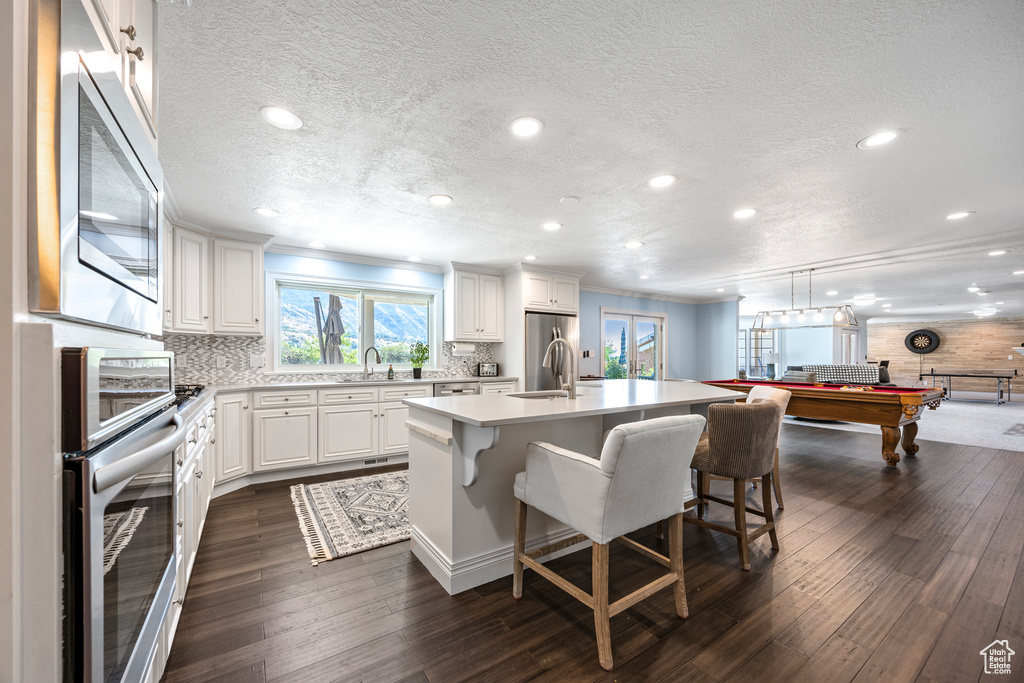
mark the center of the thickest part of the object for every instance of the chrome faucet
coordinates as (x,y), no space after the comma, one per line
(569,386)
(367,370)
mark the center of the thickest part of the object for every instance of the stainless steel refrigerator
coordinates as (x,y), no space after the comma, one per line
(541,328)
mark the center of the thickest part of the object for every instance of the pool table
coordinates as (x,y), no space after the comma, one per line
(891,408)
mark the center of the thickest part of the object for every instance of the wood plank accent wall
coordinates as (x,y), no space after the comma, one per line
(962,344)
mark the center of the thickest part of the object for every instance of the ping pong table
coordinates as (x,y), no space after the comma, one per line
(1002,378)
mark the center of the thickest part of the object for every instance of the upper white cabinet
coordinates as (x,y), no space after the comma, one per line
(473,306)
(139,37)
(233,303)
(190,298)
(237,287)
(543,292)
(128,29)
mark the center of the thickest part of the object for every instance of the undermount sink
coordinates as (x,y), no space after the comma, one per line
(550,395)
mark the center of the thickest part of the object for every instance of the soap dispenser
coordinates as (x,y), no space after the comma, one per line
(391,372)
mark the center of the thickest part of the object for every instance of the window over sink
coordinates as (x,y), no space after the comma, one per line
(325,324)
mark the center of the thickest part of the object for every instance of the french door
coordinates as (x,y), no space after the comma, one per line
(633,345)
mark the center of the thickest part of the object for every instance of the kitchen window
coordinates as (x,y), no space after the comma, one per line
(321,323)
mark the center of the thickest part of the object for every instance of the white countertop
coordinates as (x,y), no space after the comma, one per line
(330,384)
(619,395)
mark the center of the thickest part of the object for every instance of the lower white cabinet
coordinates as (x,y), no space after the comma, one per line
(348,432)
(497,387)
(394,435)
(284,438)
(234,424)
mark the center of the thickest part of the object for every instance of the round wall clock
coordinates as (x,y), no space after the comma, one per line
(922,341)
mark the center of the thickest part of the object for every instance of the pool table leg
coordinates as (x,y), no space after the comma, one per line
(890,438)
(909,434)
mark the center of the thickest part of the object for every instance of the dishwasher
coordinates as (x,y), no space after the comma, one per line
(457,389)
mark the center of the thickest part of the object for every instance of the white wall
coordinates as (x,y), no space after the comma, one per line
(800,347)
(717,328)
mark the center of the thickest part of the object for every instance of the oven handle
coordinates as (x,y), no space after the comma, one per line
(128,467)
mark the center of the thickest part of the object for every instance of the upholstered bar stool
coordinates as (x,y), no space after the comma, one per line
(780,396)
(740,445)
(636,482)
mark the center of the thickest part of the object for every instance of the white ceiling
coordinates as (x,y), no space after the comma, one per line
(750,104)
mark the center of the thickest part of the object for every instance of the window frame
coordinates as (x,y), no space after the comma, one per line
(275,280)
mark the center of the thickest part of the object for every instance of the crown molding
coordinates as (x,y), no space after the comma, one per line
(342,257)
(225,233)
(471,268)
(543,270)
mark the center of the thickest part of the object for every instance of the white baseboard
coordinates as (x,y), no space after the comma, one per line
(476,571)
(220,489)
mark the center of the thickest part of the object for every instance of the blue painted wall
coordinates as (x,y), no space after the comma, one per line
(317,267)
(717,328)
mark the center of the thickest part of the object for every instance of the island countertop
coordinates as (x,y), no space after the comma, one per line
(619,395)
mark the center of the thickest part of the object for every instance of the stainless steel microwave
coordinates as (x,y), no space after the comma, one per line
(95,183)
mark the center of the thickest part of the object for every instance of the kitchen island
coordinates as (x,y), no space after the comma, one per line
(464,453)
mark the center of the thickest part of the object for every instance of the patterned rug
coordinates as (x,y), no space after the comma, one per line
(118,529)
(345,517)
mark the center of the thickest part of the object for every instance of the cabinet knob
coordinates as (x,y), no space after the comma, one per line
(257,319)
(286,398)
(178,602)
(167,310)
(181,523)
(245,407)
(199,474)
(213,441)
(180,461)
(130,32)
(206,317)
(137,52)
(286,412)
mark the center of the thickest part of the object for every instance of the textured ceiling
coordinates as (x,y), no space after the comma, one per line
(750,104)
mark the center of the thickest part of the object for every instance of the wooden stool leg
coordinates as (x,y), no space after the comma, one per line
(659,531)
(675,554)
(703,484)
(775,481)
(769,516)
(519,547)
(602,623)
(739,504)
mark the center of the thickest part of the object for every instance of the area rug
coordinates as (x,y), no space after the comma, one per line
(348,516)
(960,422)
(118,529)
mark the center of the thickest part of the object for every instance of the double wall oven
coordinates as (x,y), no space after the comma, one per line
(119,434)
(95,183)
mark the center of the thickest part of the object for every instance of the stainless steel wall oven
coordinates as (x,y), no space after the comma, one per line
(95,183)
(119,432)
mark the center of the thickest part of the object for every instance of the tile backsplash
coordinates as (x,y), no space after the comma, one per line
(200,354)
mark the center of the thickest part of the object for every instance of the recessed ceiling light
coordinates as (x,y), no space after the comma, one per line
(719,290)
(744,213)
(886,305)
(269,213)
(997,252)
(831,292)
(552,226)
(985,312)
(1000,303)
(660,181)
(317,245)
(1018,272)
(972,290)
(634,245)
(415,258)
(570,200)
(282,118)
(958,215)
(865,300)
(645,277)
(525,127)
(530,257)
(440,199)
(878,139)
(983,293)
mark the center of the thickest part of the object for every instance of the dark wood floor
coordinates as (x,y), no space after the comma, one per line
(884,574)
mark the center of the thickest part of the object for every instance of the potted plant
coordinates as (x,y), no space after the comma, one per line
(418,354)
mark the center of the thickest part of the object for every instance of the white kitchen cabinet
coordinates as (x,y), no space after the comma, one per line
(138,34)
(284,438)
(234,424)
(394,435)
(543,292)
(190,527)
(474,307)
(348,432)
(190,300)
(237,287)
(497,387)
